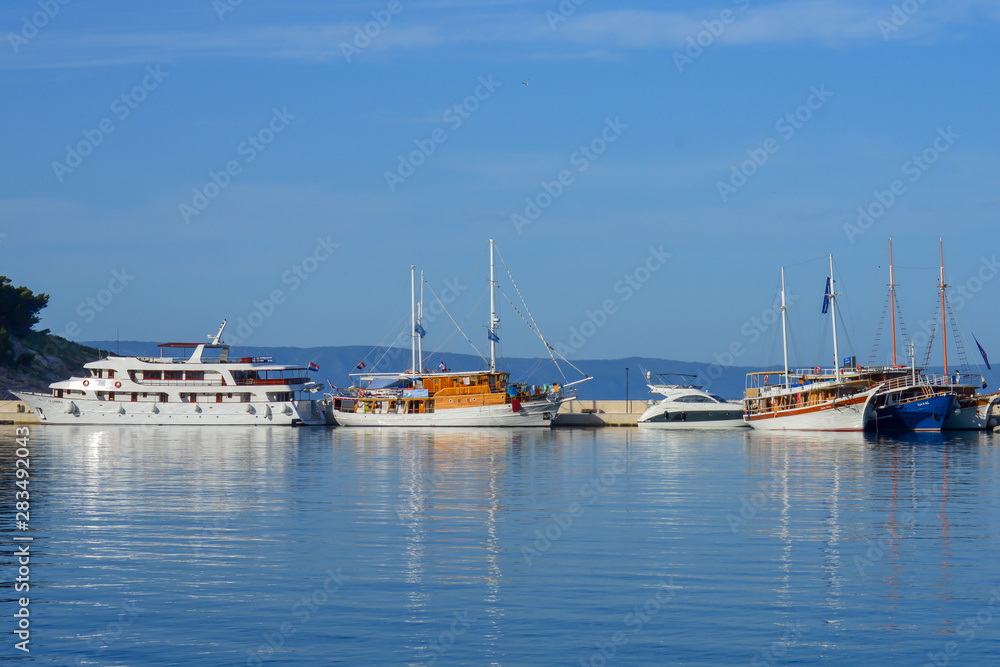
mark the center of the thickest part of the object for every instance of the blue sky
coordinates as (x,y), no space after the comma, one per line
(227,144)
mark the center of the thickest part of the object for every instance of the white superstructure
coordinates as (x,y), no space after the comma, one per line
(208,387)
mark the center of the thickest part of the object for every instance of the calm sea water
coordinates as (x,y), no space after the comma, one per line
(313,546)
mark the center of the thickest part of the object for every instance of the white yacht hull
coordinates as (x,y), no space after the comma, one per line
(537,413)
(666,417)
(51,410)
(718,423)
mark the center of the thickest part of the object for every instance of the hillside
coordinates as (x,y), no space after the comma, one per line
(51,359)
(608,374)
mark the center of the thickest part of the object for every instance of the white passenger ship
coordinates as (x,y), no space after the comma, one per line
(205,388)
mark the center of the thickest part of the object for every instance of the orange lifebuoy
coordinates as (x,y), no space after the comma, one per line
(816,370)
(86,383)
(118,385)
(765,379)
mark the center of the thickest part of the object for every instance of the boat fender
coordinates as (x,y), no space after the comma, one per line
(121,410)
(155,410)
(118,385)
(816,370)
(250,409)
(70,408)
(197,408)
(267,411)
(86,383)
(515,405)
(287,409)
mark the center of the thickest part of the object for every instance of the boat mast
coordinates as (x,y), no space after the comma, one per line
(784,325)
(892,302)
(413,320)
(493,314)
(420,322)
(944,320)
(833,318)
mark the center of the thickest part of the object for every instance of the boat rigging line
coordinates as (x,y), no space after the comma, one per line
(532,325)
(446,312)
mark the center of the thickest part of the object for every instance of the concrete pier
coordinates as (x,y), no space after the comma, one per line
(600,413)
(16,412)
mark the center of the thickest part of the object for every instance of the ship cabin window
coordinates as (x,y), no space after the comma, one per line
(163,398)
(95,372)
(111,374)
(173,375)
(218,398)
(20,407)
(194,398)
(111,395)
(152,375)
(144,394)
(694,399)
(229,396)
(135,396)
(194,375)
(58,393)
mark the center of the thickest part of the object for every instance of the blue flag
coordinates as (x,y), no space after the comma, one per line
(826,297)
(982,352)
(419,330)
(492,336)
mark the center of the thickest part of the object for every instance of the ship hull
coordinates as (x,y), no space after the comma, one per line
(536,414)
(844,415)
(971,418)
(661,417)
(927,414)
(51,410)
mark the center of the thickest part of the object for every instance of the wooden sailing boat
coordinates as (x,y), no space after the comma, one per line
(808,400)
(906,401)
(418,397)
(972,410)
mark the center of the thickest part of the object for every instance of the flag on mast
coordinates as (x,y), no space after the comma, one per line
(491,334)
(982,352)
(826,297)
(419,330)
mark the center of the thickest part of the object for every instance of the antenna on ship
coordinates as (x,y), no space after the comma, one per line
(494,321)
(420,327)
(217,338)
(892,302)
(413,320)
(833,318)
(784,325)
(944,319)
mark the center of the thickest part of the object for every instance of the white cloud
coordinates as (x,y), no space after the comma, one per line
(586,34)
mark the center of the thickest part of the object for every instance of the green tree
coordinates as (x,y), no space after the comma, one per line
(19,307)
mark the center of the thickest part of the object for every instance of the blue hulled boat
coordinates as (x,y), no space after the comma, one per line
(910,408)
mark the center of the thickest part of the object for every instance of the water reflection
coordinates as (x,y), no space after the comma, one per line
(868,542)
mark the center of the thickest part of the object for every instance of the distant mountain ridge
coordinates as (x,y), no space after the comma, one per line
(608,375)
